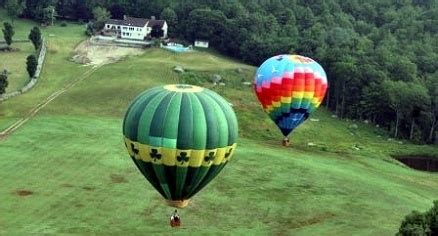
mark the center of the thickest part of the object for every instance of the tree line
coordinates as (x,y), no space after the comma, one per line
(381,56)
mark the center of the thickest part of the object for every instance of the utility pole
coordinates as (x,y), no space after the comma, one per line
(53,13)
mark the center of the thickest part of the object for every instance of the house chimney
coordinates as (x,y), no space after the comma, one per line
(152,17)
(124,17)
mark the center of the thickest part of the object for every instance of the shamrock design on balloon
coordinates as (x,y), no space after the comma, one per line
(135,150)
(155,155)
(210,157)
(182,158)
(228,153)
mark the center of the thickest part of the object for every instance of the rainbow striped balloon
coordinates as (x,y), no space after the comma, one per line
(290,87)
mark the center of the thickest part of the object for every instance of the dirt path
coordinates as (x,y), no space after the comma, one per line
(5,133)
(94,53)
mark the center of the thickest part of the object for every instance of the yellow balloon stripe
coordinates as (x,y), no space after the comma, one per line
(181,158)
(286,100)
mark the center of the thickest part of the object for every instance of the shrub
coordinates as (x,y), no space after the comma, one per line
(414,224)
(32,64)
(193,78)
(432,218)
(90,29)
(8,33)
(35,37)
(417,223)
(63,24)
(3,82)
(156,43)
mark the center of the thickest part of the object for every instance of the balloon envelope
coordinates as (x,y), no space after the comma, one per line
(289,88)
(180,137)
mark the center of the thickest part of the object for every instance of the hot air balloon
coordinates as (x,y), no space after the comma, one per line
(180,137)
(289,88)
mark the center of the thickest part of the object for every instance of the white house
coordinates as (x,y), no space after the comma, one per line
(201,43)
(134,28)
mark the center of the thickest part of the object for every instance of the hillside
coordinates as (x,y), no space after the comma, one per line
(380,54)
(67,171)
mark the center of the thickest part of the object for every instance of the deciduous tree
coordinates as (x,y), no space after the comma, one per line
(101,15)
(169,15)
(14,9)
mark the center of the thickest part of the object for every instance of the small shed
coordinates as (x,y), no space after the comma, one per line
(201,43)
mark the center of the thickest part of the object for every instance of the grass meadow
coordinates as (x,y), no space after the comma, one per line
(15,63)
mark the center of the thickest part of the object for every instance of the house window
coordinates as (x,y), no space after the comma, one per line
(108,26)
(125,28)
(118,27)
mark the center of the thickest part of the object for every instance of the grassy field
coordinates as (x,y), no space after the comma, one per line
(58,70)
(67,170)
(15,63)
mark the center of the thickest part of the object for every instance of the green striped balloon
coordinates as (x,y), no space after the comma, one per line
(180,137)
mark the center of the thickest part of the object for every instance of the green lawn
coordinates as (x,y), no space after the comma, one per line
(15,63)
(67,170)
(83,182)
(58,70)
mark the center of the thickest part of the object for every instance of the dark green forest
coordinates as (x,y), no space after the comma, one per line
(381,56)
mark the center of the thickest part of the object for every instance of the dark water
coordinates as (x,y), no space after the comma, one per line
(423,163)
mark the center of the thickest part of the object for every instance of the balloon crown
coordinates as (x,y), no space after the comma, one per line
(184,88)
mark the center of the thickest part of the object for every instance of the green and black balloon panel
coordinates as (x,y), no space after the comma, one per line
(180,137)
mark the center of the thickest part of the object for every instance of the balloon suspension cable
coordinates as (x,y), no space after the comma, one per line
(285,141)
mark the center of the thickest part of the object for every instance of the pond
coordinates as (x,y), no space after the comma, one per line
(420,162)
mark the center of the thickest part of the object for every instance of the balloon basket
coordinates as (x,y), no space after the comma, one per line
(285,142)
(178,203)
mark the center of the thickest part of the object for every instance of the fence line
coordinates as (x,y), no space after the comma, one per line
(33,80)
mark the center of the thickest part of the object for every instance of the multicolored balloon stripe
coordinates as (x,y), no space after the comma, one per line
(289,88)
